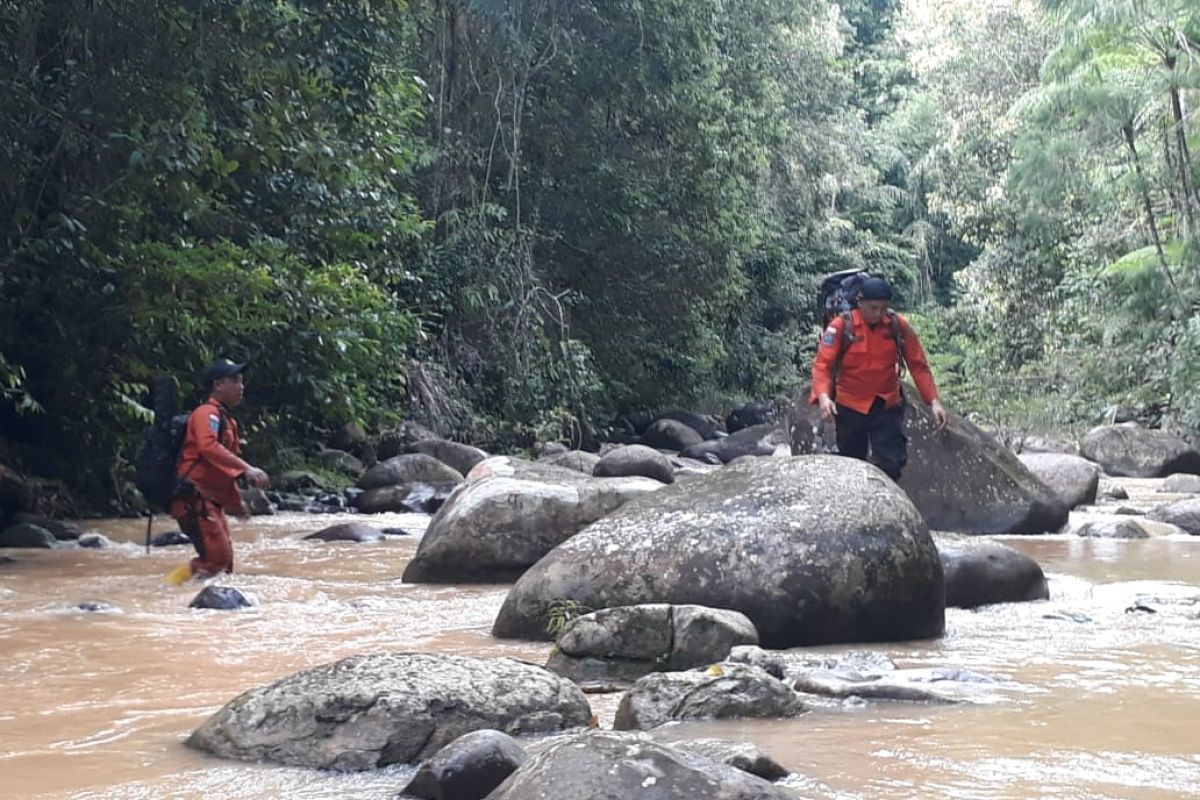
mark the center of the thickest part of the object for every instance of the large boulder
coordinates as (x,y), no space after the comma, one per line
(616,645)
(747,415)
(369,711)
(408,469)
(15,494)
(510,514)
(299,481)
(341,461)
(980,572)
(349,437)
(578,460)
(468,768)
(1072,478)
(1033,443)
(669,434)
(635,460)
(1184,514)
(1181,483)
(757,440)
(959,477)
(812,549)
(460,457)
(610,765)
(27,535)
(723,691)
(1129,450)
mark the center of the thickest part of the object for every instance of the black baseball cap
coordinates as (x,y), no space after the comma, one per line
(875,289)
(222,368)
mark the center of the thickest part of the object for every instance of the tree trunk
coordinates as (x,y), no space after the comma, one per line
(1147,206)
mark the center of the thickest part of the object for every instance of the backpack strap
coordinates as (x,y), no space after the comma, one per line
(898,335)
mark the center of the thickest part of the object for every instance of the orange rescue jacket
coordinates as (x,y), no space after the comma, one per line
(210,456)
(870,365)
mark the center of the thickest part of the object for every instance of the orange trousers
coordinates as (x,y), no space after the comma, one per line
(206,525)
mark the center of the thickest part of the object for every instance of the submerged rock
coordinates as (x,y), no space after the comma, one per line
(1127,528)
(220,598)
(740,755)
(983,572)
(170,539)
(935,685)
(28,536)
(723,691)
(1184,515)
(346,532)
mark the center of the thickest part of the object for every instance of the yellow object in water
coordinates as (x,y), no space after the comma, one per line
(180,575)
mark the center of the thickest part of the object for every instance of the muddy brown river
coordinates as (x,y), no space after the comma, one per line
(1099,701)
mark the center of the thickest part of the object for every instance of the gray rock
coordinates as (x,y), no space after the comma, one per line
(341,461)
(812,549)
(346,532)
(617,645)
(468,768)
(747,415)
(740,755)
(256,502)
(170,539)
(401,439)
(1112,491)
(1184,514)
(413,498)
(635,460)
(960,478)
(408,469)
(621,766)
(28,536)
(723,691)
(1072,478)
(1132,451)
(16,494)
(62,530)
(348,437)
(1130,511)
(1113,529)
(669,434)
(936,685)
(979,573)
(1181,484)
(369,711)
(510,514)
(757,440)
(301,482)
(577,460)
(462,458)
(1032,443)
(95,541)
(220,598)
(547,450)
(96,607)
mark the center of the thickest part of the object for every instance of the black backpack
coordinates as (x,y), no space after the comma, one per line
(838,296)
(158,457)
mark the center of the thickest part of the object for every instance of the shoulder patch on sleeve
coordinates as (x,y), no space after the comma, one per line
(214,423)
(830,336)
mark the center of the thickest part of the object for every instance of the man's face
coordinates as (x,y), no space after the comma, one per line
(229,390)
(873,311)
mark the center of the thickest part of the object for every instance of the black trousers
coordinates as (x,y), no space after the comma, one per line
(881,430)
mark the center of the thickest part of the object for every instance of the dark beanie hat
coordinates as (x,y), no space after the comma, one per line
(875,289)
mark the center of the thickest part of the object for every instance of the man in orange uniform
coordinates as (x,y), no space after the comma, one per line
(869,406)
(209,467)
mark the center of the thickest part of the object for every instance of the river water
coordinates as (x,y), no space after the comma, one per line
(1099,701)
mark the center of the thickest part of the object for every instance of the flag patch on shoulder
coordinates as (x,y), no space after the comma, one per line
(214,423)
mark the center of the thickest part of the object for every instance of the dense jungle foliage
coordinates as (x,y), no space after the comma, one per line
(511,219)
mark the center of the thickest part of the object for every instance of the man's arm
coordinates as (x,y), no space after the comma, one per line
(918,367)
(822,373)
